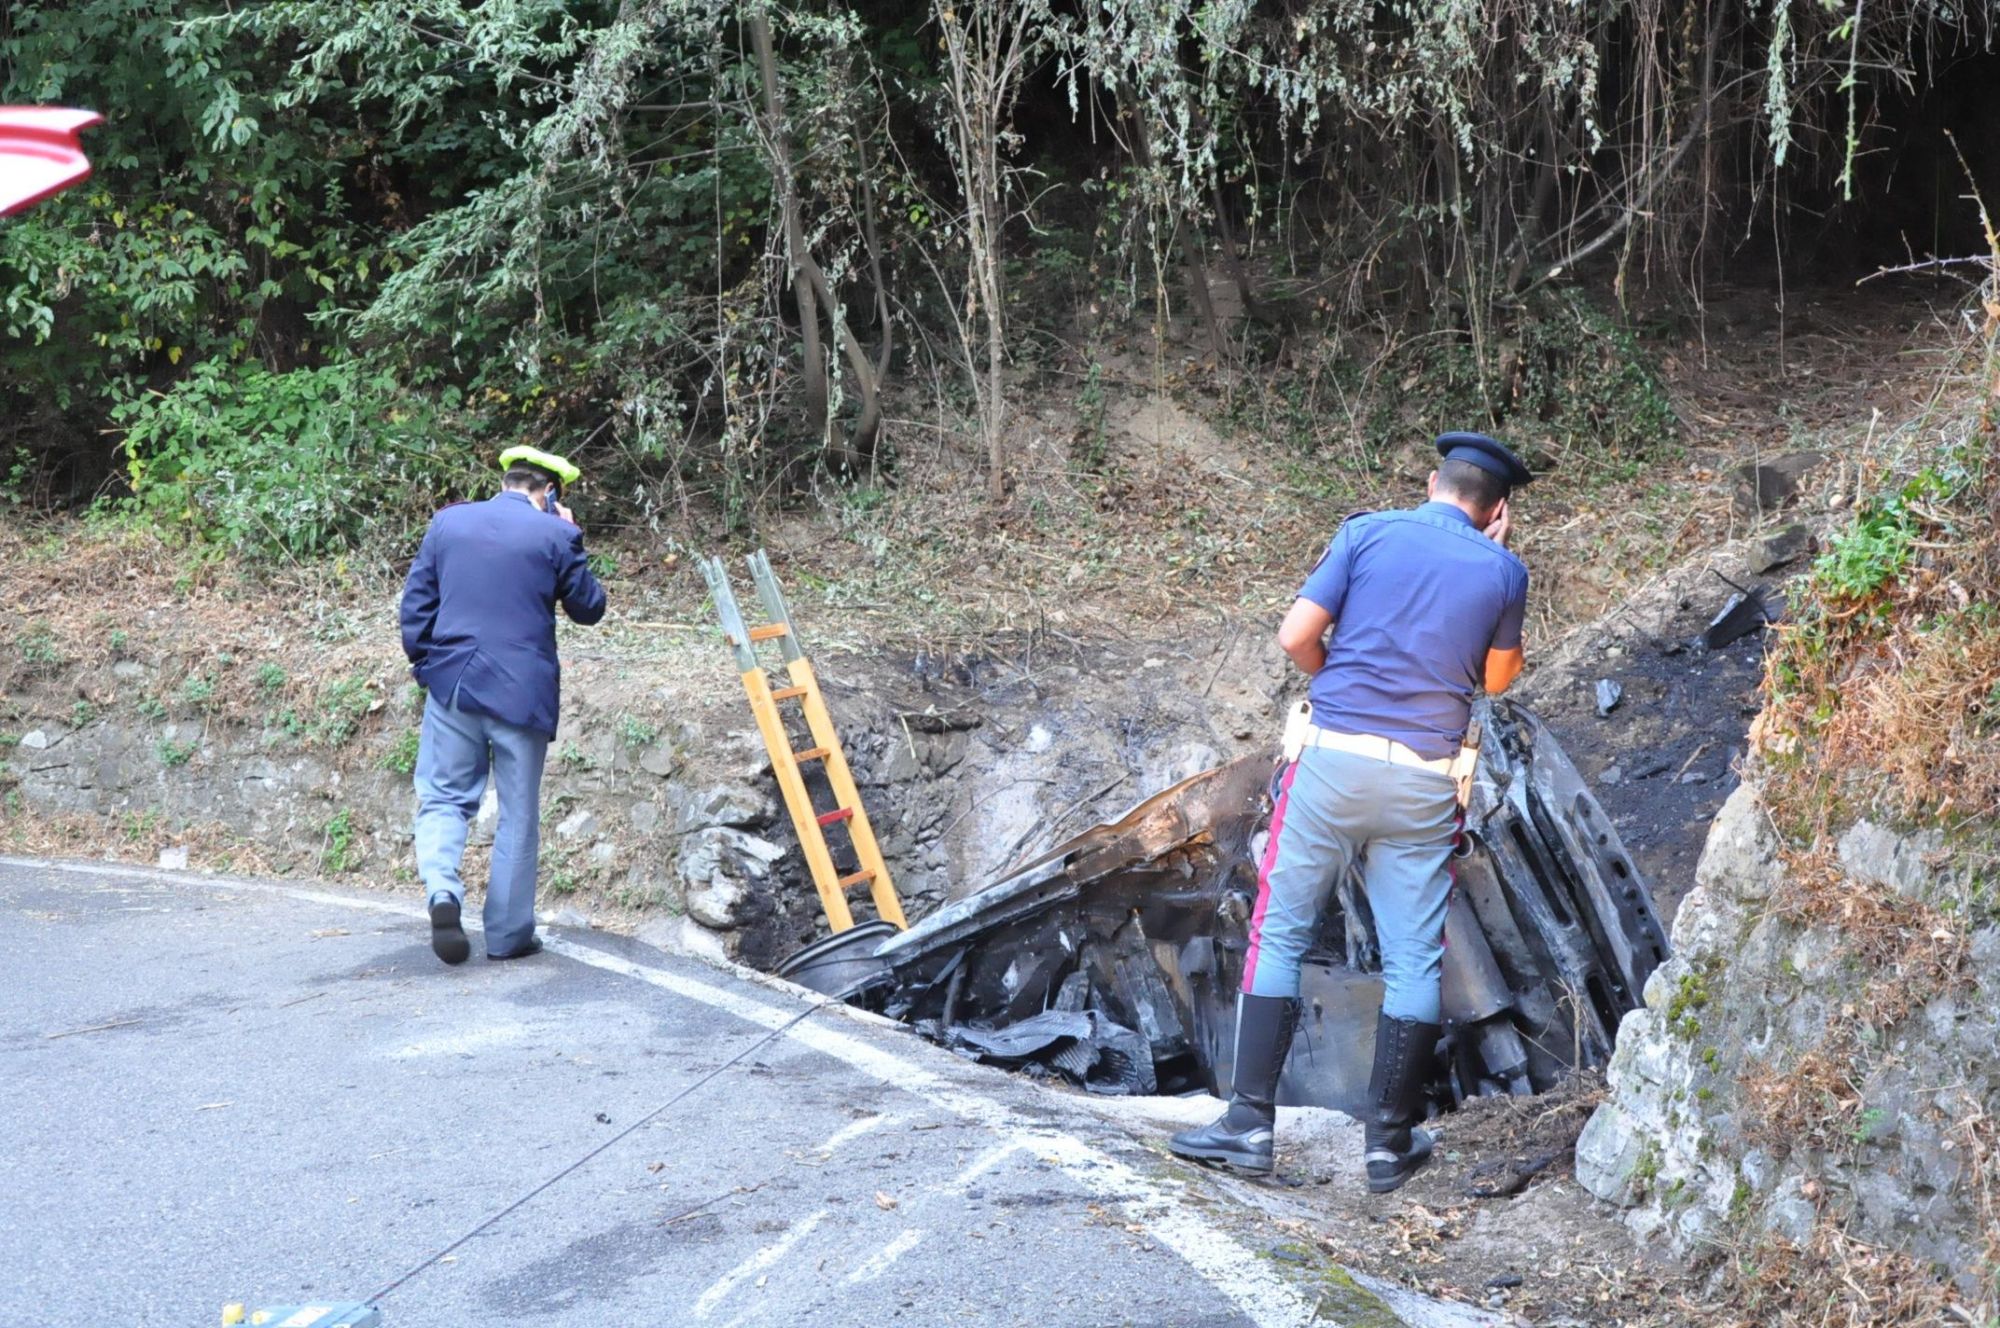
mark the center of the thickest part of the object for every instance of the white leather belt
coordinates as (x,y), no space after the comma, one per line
(1382,749)
(1300,732)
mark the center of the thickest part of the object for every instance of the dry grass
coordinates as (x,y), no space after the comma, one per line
(1911,953)
(84,599)
(1173,511)
(1911,949)
(1184,518)
(1809,1105)
(211,846)
(1924,709)
(1181,529)
(1886,690)
(1835,1281)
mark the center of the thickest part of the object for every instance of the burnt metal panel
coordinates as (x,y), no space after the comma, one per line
(1142,926)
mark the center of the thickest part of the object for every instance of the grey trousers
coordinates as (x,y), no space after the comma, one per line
(1400,823)
(455,751)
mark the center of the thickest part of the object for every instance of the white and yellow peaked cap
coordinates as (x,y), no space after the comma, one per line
(559,467)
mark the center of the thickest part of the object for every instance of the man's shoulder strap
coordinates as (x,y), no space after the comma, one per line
(1327,552)
(1355,515)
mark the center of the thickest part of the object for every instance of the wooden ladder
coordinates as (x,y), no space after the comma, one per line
(786,761)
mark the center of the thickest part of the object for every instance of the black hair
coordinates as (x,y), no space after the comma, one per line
(1472,484)
(521,476)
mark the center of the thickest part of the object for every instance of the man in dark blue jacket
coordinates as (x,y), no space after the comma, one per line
(479,627)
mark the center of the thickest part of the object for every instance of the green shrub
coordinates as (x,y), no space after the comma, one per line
(340,852)
(270,677)
(1564,372)
(198,691)
(277,464)
(339,710)
(176,753)
(1874,550)
(40,652)
(402,757)
(636,732)
(1091,408)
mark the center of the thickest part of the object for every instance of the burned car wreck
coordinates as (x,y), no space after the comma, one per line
(1115,958)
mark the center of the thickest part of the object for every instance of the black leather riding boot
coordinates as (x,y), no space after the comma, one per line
(1397,1146)
(1241,1136)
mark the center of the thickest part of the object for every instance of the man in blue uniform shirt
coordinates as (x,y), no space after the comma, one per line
(479,629)
(1425,608)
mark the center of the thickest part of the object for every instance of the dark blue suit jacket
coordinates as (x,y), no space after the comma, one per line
(479,608)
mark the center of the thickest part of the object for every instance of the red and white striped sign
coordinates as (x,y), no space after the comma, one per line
(40,154)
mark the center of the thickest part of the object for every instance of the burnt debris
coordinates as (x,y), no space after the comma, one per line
(1744,612)
(1114,959)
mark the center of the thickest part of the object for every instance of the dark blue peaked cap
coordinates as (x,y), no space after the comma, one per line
(1486,453)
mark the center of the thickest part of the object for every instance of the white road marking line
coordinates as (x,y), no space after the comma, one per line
(1263,1296)
(1257,1289)
(979,1166)
(854,1130)
(465,1043)
(755,1264)
(879,1262)
(145,873)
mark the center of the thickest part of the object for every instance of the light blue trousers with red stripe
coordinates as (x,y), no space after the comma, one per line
(1400,823)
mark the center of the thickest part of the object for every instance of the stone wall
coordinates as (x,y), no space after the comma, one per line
(1899,1153)
(660,813)
(651,823)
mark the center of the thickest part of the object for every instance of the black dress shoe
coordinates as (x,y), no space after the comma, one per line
(447,936)
(533,947)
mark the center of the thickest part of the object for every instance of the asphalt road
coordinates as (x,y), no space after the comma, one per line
(214,1091)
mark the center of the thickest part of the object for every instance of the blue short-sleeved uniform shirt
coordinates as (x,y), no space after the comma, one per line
(1417,599)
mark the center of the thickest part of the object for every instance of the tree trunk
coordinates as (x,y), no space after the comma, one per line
(996,448)
(985,43)
(870,423)
(849,453)
(1232,261)
(1142,153)
(796,257)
